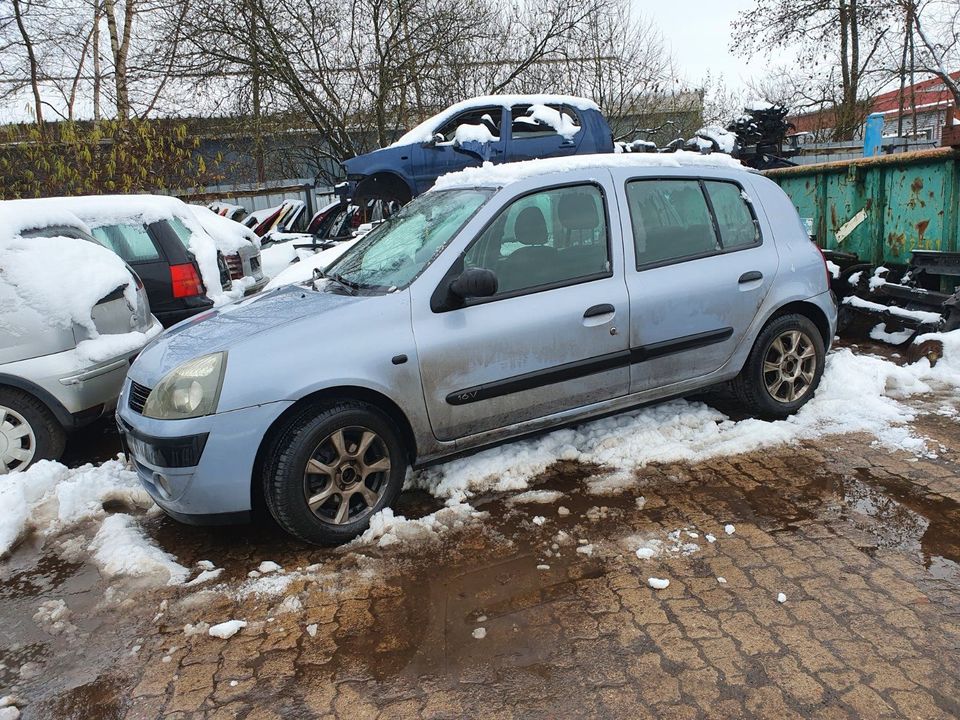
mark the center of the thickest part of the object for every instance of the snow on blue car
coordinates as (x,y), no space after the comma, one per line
(496,128)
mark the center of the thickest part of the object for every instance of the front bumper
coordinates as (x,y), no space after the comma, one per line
(197,470)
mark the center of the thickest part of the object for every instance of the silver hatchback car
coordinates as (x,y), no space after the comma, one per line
(507,300)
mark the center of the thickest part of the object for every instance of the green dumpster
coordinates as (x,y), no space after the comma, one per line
(879,208)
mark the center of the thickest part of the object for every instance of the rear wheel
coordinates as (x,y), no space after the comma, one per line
(783,369)
(28,432)
(331,469)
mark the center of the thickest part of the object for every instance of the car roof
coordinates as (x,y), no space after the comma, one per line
(508,173)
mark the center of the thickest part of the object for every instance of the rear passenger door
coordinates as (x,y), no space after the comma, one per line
(554,132)
(699,271)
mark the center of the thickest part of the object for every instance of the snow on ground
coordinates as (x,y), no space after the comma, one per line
(120,548)
(879,332)
(858,393)
(388,529)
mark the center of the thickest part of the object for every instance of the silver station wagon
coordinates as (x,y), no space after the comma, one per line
(507,300)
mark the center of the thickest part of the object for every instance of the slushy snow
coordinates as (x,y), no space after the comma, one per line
(228,629)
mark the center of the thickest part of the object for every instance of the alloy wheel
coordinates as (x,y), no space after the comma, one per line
(346,475)
(789,366)
(18,444)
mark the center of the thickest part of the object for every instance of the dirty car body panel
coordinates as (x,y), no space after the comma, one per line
(611,333)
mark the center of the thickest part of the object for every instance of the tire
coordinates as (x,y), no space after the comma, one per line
(28,431)
(368,472)
(763,390)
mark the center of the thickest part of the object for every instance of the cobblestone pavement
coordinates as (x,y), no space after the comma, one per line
(863,543)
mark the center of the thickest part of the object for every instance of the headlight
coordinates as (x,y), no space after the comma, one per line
(189,390)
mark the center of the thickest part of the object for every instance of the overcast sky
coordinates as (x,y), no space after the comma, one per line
(698,32)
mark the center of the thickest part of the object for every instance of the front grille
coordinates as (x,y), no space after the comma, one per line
(138,396)
(236,266)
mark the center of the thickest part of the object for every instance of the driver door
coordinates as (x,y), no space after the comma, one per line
(434,160)
(554,336)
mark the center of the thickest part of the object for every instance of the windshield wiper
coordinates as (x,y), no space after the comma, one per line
(349,284)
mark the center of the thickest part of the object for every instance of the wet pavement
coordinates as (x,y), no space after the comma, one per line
(510,617)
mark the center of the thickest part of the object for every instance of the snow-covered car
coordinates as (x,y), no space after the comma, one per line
(508,299)
(73,316)
(496,128)
(202,232)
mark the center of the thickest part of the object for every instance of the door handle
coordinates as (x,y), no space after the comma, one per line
(750,276)
(604,309)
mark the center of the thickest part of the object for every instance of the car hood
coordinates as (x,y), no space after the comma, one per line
(233,325)
(388,157)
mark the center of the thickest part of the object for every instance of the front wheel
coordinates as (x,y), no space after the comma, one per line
(783,369)
(330,470)
(28,432)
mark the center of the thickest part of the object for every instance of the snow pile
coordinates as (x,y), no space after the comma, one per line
(106,347)
(506,173)
(425,130)
(53,617)
(658,583)
(121,548)
(857,394)
(227,630)
(388,529)
(562,123)
(49,498)
(61,278)
(543,497)
(715,137)
(473,133)
(879,332)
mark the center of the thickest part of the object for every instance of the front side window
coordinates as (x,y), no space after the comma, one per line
(737,226)
(670,220)
(129,241)
(547,238)
(396,252)
(488,117)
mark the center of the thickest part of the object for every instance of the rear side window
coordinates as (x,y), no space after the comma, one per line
(737,225)
(182,231)
(131,242)
(525,122)
(671,221)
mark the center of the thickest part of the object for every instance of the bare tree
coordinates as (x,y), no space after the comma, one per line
(939,46)
(836,41)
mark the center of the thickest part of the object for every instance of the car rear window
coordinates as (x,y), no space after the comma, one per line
(131,242)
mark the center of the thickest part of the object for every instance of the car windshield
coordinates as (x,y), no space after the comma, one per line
(396,252)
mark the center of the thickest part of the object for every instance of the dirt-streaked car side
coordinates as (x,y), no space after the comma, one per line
(507,300)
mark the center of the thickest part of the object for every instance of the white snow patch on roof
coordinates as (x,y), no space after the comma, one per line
(425,130)
(506,173)
(61,278)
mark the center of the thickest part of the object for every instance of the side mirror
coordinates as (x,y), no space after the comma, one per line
(432,142)
(474,282)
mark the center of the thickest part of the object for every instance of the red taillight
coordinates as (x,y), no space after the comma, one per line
(185,280)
